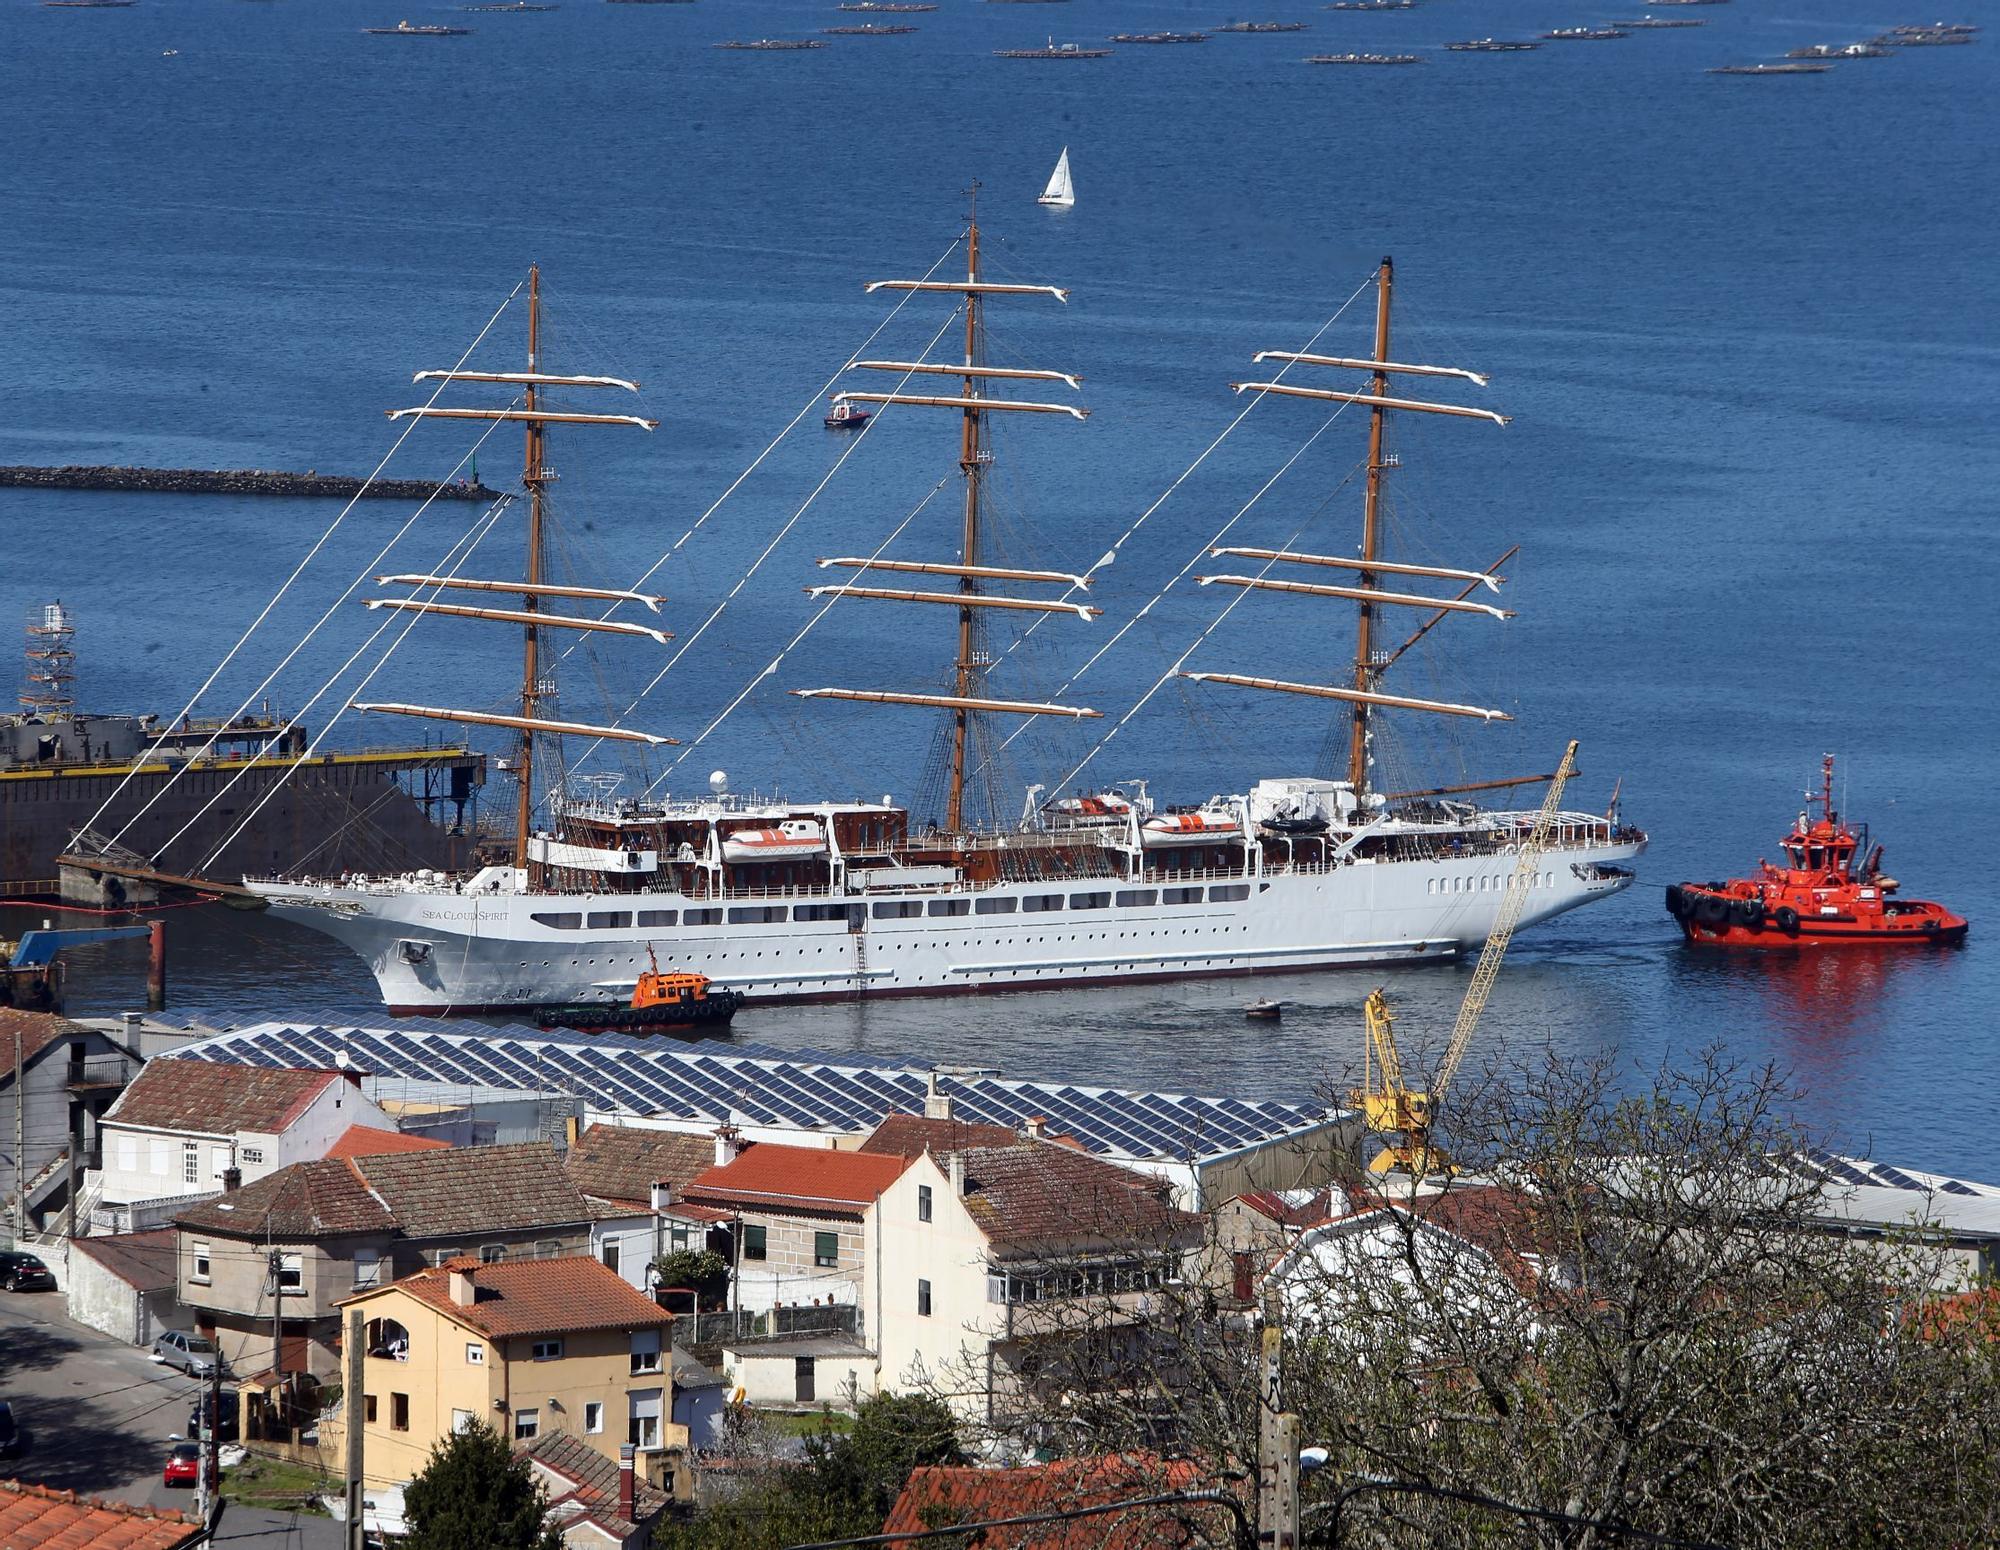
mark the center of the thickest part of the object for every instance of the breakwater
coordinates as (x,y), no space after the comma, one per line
(239,481)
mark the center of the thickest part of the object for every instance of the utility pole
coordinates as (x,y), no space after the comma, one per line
(1277,1438)
(20,1146)
(277,1261)
(208,1409)
(351,1359)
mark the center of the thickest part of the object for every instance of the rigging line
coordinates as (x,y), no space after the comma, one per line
(853,445)
(285,661)
(1209,628)
(1165,496)
(461,548)
(805,630)
(790,426)
(320,543)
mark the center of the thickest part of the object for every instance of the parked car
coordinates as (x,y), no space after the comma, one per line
(10,1431)
(226,1426)
(23,1272)
(184,1465)
(193,1354)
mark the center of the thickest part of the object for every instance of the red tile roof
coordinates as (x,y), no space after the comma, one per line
(366,1141)
(912,1135)
(34,1032)
(1039,1197)
(211,1099)
(800,1178)
(33,1517)
(296,1204)
(144,1260)
(465,1190)
(623,1163)
(534,1296)
(592,1481)
(1269,1203)
(937,1497)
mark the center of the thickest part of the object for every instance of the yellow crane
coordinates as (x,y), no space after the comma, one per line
(1392,1108)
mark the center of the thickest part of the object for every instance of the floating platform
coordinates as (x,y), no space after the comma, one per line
(1582,35)
(1647,23)
(887,7)
(238,481)
(1841,51)
(1795,69)
(867,30)
(1053,51)
(772,45)
(1365,59)
(1158,37)
(1490,46)
(405,30)
(1263,27)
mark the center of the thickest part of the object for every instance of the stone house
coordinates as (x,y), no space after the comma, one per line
(284,1252)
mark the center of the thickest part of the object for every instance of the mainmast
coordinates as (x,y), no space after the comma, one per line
(968,698)
(971,461)
(530,616)
(1364,644)
(1364,694)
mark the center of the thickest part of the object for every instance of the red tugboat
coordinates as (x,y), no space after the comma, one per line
(1820,897)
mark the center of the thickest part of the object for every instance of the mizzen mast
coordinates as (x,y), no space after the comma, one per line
(1363,693)
(974,458)
(531,589)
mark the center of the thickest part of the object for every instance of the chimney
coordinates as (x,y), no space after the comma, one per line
(728,1145)
(232,1180)
(462,1291)
(134,1021)
(625,1485)
(958,1173)
(1038,1127)
(937,1105)
(663,1195)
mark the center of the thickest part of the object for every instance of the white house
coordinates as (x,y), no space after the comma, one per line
(183,1125)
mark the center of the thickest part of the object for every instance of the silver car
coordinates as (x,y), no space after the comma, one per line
(193,1354)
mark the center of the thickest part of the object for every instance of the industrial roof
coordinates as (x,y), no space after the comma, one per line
(709,1082)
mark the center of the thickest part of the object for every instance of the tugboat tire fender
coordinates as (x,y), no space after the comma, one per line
(1676,901)
(1787,919)
(1750,913)
(1711,910)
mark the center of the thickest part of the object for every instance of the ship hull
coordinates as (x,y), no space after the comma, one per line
(441,951)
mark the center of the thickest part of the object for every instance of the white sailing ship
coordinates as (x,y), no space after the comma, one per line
(814,899)
(1061,192)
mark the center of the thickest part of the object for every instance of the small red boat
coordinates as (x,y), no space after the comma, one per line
(1830,892)
(845,416)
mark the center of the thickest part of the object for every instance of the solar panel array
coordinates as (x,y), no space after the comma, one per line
(710,1081)
(1861,1171)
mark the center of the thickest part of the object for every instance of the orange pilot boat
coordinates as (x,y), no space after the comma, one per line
(662,999)
(1830,892)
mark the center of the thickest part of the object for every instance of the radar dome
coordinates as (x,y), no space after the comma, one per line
(718,781)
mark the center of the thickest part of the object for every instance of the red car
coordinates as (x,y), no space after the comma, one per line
(184,1465)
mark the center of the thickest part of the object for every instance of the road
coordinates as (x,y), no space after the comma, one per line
(95,1412)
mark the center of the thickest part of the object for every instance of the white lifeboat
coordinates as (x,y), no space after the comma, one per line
(1095,804)
(788,841)
(1200,828)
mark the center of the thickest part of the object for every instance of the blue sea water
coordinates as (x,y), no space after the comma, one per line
(1746,329)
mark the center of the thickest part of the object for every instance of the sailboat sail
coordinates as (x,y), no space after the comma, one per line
(1060,190)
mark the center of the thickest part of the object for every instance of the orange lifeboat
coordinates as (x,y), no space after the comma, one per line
(1830,892)
(1204,827)
(787,841)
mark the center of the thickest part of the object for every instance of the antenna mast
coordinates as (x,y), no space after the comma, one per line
(970,462)
(1364,645)
(532,476)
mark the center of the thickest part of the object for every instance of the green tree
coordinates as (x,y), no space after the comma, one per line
(475,1494)
(704,1270)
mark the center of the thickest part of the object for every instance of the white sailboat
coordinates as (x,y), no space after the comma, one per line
(1061,192)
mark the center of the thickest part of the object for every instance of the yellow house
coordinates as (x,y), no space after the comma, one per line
(532,1347)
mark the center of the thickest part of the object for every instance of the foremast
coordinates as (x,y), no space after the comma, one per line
(1364,694)
(968,699)
(531,589)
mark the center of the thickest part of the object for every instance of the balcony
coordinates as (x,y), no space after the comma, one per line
(99,1073)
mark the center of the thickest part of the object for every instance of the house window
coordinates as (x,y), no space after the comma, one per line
(923,1299)
(923,1202)
(200,1263)
(548,1350)
(253,1154)
(399,1412)
(611,1255)
(492,1253)
(368,1409)
(527,1424)
(643,1429)
(548,1248)
(646,1350)
(461,1421)
(190,1163)
(753,1242)
(291,1275)
(475,1354)
(439,1256)
(367,1268)
(593,1415)
(681,1237)
(826,1249)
